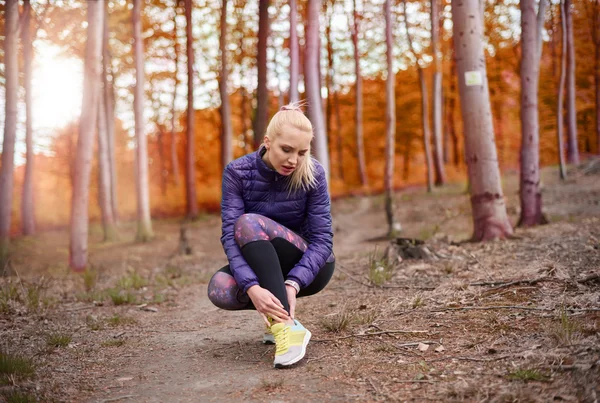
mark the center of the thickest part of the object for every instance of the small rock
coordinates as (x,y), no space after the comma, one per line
(439,349)
(423,347)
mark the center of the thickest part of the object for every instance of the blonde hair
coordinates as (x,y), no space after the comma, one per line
(304,175)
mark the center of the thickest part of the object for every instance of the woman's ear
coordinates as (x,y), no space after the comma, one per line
(267,142)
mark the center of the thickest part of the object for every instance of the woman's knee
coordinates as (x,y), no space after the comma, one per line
(249,228)
(224,292)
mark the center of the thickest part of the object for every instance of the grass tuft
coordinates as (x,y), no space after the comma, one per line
(121,297)
(90,278)
(19,397)
(132,280)
(14,366)
(58,340)
(380,271)
(117,320)
(527,375)
(337,322)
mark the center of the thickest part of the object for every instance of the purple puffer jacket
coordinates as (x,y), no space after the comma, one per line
(250,186)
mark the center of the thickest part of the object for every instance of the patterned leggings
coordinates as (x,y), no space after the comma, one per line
(260,236)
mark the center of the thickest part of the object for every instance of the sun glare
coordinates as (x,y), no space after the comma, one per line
(57,88)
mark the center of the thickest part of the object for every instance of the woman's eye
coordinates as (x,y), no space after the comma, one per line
(302,154)
(286,150)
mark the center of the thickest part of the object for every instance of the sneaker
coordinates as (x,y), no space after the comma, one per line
(291,342)
(268,337)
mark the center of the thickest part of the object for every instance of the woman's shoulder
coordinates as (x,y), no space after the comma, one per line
(243,163)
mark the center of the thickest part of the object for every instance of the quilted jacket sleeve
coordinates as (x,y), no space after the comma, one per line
(320,233)
(232,207)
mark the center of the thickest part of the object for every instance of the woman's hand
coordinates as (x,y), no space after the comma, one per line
(291,296)
(267,304)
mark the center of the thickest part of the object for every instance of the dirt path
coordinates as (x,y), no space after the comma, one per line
(456,328)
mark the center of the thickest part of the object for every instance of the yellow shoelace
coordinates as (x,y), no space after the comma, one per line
(282,340)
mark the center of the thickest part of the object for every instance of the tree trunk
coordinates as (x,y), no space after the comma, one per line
(572,146)
(329,76)
(244,119)
(110,118)
(313,85)
(487,201)
(436,111)
(450,110)
(426,128)
(262,94)
(190,161)
(595,30)
(340,138)
(227,131)
(294,52)
(360,148)
(174,158)
(11,83)
(390,124)
(144,229)
(85,142)
(561,90)
(27,204)
(104,189)
(531,197)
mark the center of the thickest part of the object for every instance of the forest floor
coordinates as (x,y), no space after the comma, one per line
(511,320)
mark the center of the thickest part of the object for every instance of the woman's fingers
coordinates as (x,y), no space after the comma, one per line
(265,319)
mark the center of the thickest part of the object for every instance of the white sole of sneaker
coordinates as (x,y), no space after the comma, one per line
(307,337)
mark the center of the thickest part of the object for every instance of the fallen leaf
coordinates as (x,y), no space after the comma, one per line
(423,347)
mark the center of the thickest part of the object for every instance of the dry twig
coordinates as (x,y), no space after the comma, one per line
(372,334)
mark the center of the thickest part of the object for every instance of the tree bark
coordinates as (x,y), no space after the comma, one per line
(190,162)
(424,105)
(594,18)
(487,201)
(436,110)
(174,158)
(451,127)
(85,142)
(11,76)
(313,84)
(530,195)
(572,146)
(227,131)
(110,118)
(27,204)
(561,91)
(390,123)
(358,111)
(294,52)
(104,188)
(144,226)
(262,94)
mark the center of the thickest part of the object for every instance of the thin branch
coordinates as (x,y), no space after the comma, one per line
(406,287)
(114,399)
(503,284)
(489,308)
(591,277)
(373,334)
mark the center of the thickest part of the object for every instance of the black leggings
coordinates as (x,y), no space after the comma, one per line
(271,261)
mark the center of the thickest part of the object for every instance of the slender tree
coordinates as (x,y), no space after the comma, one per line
(572,147)
(593,13)
(313,84)
(85,141)
(390,122)
(424,105)
(262,95)
(561,92)
(436,108)
(109,107)
(358,116)
(451,96)
(104,186)
(11,83)
(227,131)
(487,201)
(176,50)
(27,204)
(144,229)
(531,33)
(190,163)
(294,52)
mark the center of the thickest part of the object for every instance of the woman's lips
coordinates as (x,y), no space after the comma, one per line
(287,169)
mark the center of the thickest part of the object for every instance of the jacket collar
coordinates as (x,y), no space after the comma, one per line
(263,169)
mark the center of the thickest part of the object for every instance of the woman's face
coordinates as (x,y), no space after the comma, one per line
(286,151)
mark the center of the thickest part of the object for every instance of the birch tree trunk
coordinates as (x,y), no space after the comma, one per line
(487,201)
(436,109)
(390,124)
(594,19)
(360,147)
(190,161)
(78,250)
(262,95)
(561,90)
(227,131)
(313,84)
(109,106)
(27,204)
(572,146)
(174,158)
(451,127)
(531,197)
(294,52)
(104,188)
(11,76)
(144,226)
